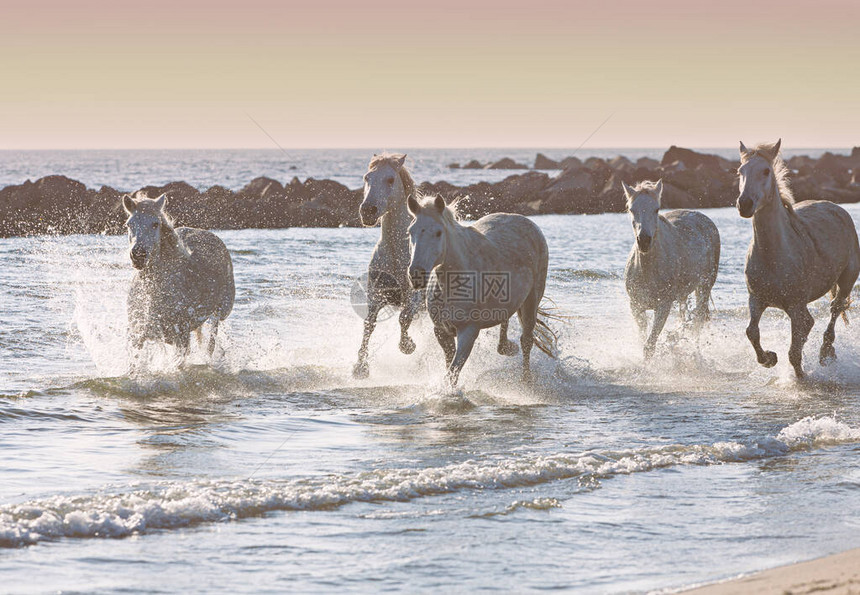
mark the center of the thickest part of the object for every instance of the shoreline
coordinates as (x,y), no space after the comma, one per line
(836,574)
(56,204)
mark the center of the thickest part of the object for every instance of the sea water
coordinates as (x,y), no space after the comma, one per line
(269,468)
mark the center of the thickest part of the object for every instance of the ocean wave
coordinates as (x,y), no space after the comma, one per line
(165,506)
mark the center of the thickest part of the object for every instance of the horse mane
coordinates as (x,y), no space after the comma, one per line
(780,171)
(645,186)
(449,215)
(392,159)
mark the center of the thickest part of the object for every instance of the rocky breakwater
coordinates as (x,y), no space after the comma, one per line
(59,205)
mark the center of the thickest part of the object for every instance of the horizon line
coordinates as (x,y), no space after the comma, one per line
(428,147)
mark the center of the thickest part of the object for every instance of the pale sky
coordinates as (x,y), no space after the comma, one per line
(489,73)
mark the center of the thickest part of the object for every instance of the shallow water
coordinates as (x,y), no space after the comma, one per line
(270,468)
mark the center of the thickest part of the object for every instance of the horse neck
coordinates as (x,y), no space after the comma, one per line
(394,224)
(170,250)
(773,232)
(462,245)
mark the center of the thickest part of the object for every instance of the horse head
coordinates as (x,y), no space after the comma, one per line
(643,202)
(427,238)
(383,187)
(757,180)
(145,221)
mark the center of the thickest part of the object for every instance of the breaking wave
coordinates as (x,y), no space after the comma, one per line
(172,505)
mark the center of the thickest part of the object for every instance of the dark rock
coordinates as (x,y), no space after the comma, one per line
(453,166)
(677,198)
(836,167)
(506,163)
(544,162)
(573,179)
(647,163)
(691,159)
(621,162)
(570,163)
(474,164)
(261,187)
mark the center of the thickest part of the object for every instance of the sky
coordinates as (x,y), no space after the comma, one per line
(434,73)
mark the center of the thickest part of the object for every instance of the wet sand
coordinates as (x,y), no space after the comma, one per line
(837,574)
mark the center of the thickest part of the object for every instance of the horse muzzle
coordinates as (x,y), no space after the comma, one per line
(138,258)
(418,278)
(369,215)
(745,207)
(643,242)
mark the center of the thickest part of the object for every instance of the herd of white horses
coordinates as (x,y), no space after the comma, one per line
(474,277)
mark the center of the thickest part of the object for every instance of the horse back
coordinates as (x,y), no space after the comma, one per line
(515,237)
(210,260)
(825,219)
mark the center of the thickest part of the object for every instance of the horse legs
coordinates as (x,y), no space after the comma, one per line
(528,317)
(446,341)
(661,314)
(211,346)
(465,341)
(801,324)
(766,358)
(361,369)
(641,321)
(683,310)
(838,305)
(407,315)
(702,312)
(506,347)
(183,346)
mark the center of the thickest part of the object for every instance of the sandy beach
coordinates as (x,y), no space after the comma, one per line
(836,574)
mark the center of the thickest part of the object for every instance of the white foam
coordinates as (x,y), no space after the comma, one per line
(172,505)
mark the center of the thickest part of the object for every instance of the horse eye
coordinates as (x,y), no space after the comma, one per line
(438,234)
(389,181)
(155,225)
(766,171)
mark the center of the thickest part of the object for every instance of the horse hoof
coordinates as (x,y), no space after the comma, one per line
(407,345)
(361,371)
(528,377)
(509,348)
(769,360)
(827,355)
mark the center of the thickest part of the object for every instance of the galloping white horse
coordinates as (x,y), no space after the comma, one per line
(387,184)
(184,278)
(477,277)
(672,256)
(798,253)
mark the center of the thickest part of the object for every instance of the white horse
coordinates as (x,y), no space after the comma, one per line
(673,255)
(477,277)
(184,277)
(387,184)
(798,253)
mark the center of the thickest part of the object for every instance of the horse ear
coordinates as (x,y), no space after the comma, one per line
(628,191)
(128,204)
(743,149)
(413,205)
(440,204)
(658,189)
(400,160)
(161,202)
(776,147)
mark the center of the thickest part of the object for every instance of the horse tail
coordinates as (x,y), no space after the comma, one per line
(545,337)
(833,291)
